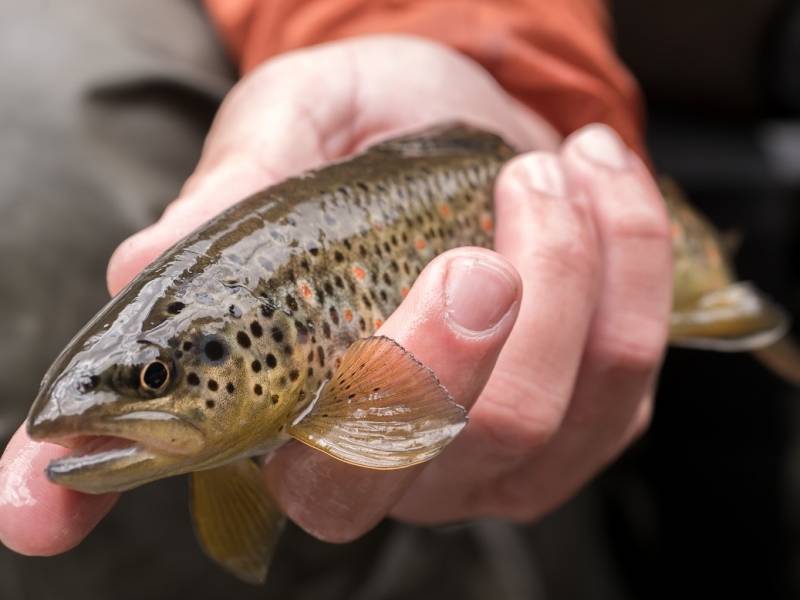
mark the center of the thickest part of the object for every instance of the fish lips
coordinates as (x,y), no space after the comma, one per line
(118,452)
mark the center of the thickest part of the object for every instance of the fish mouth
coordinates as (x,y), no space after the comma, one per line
(118,453)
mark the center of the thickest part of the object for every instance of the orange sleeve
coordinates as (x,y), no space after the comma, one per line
(556,56)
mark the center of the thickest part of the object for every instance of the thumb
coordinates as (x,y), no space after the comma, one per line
(455,320)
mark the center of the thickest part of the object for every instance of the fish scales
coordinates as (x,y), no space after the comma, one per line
(257,307)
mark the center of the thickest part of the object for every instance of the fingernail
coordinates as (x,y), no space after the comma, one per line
(601,145)
(478,293)
(543,173)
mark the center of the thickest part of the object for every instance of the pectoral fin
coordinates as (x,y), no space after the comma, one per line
(235,520)
(383,409)
(733,319)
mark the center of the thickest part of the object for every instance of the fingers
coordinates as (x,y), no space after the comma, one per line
(455,320)
(545,229)
(629,331)
(37,517)
(612,400)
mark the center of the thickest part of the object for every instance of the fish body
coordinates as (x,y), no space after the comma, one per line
(259,327)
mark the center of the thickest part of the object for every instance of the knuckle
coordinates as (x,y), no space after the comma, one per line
(520,426)
(647,222)
(639,350)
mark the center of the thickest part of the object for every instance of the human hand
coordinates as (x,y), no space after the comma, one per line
(581,228)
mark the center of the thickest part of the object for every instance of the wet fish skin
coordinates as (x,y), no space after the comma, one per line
(279,286)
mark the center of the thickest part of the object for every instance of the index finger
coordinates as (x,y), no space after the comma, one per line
(39,518)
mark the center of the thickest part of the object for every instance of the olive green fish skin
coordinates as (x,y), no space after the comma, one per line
(252,312)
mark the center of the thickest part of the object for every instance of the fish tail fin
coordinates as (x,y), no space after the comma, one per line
(736,318)
(782,358)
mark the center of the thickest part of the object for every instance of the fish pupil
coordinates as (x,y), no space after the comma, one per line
(155,375)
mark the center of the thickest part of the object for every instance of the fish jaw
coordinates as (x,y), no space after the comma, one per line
(114,447)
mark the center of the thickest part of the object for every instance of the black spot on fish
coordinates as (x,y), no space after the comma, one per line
(328,288)
(267,310)
(256,330)
(187,346)
(243,339)
(362,324)
(214,350)
(314,251)
(334,315)
(302,332)
(212,385)
(326,329)
(338,256)
(274,398)
(282,381)
(387,279)
(367,303)
(338,281)
(277,335)
(287,349)
(384,297)
(310,371)
(230,387)
(321,356)
(175,307)
(210,404)
(304,264)
(294,374)
(272,362)
(256,366)
(257,390)
(291,302)
(363,186)
(192,379)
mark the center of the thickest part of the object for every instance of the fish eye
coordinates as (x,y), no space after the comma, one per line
(154,376)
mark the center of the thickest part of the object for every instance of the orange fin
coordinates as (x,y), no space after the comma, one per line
(383,409)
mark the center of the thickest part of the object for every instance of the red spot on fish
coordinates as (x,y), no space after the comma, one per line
(378,323)
(487,223)
(404,291)
(305,290)
(348,315)
(359,273)
(420,244)
(377,226)
(444,210)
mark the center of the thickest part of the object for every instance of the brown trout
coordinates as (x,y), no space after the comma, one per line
(258,328)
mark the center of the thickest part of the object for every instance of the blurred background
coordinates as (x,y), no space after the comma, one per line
(98,129)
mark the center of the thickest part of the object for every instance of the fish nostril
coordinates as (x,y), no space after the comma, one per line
(87,383)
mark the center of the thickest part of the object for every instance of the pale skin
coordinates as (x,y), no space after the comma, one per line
(553,342)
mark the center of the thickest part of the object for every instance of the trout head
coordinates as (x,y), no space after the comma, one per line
(152,387)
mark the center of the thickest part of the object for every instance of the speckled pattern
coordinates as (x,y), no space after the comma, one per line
(251,313)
